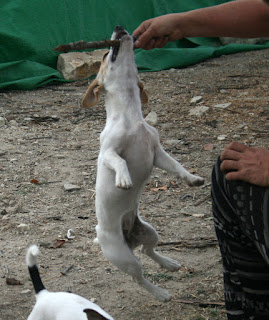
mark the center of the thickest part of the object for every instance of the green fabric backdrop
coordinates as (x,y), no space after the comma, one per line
(30,29)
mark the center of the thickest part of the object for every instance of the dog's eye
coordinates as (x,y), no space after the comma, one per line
(105,55)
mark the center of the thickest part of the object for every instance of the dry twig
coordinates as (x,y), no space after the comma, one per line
(203,304)
(192,243)
(81,45)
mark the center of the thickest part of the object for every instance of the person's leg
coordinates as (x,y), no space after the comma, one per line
(241,217)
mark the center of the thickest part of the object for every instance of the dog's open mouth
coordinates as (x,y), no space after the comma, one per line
(120,32)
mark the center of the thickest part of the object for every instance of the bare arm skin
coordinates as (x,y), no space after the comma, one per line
(240,162)
(241,18)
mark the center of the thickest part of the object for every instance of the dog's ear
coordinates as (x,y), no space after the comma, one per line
(94,315)
(143,94)
(91,96)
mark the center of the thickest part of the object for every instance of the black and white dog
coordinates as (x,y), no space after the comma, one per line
(59,305)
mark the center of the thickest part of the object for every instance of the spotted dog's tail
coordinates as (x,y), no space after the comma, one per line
(31,261)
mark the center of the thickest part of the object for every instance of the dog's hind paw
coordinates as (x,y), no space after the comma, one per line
(169,264)
(162,295)
(193,180)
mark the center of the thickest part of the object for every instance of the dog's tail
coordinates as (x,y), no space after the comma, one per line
(31,261)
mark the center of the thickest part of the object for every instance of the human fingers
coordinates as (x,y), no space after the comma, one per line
(156,43)
(161,42)
(144,34)
(239,147)
(150,44)
(236,175)
(229,154)
(229,165)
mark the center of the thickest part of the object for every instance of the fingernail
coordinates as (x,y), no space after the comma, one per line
(137,44)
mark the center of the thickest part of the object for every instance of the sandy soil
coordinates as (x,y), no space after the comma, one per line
(48,141)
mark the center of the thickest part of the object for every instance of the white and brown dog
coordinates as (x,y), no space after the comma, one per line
(129,150)
(59,305)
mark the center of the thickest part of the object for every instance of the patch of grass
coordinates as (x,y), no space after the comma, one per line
(158,277)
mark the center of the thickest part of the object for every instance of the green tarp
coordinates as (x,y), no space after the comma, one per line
(30,29)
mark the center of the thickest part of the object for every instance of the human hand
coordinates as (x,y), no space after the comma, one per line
(156,32)
(240,162)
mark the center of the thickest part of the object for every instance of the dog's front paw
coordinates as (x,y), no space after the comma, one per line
(193,180)
(123,181)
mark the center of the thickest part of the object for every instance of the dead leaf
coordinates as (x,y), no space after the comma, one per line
(35,181)
(164,188)
(58,243)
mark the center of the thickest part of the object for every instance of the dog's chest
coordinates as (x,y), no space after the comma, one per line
(134,143)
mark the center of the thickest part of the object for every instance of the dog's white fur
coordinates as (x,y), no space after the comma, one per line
(61,305)
(129,150)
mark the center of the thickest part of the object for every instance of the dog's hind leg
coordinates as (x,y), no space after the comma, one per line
(144,234)
(116,250)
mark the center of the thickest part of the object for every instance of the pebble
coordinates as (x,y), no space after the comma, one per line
(13,123)
(23,227)
(242,125)
(222,137)
(152,118)
(27,291)
(222,105)
(2,121)
(172,142)
(71,187)
(196,99)
(198,111)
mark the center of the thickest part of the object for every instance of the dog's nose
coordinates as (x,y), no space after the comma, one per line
(118,28)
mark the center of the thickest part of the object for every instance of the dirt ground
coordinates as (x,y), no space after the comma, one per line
(48,141)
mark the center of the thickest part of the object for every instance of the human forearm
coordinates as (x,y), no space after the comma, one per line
(241,18)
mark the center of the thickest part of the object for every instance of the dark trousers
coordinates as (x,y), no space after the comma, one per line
(241,217)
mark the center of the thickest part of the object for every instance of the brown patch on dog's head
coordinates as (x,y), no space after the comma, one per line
(92,94)
(94,315)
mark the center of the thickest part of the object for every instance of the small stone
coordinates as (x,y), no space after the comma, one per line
(242,125)
(27,291)
(23,227)
(4,212)
(71,187)
(222,105)
(236,136)
(13,123)
(198,111)
(196,99)
(2,121)
(172,142)
(152,118)
(209,146)
(222,137)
